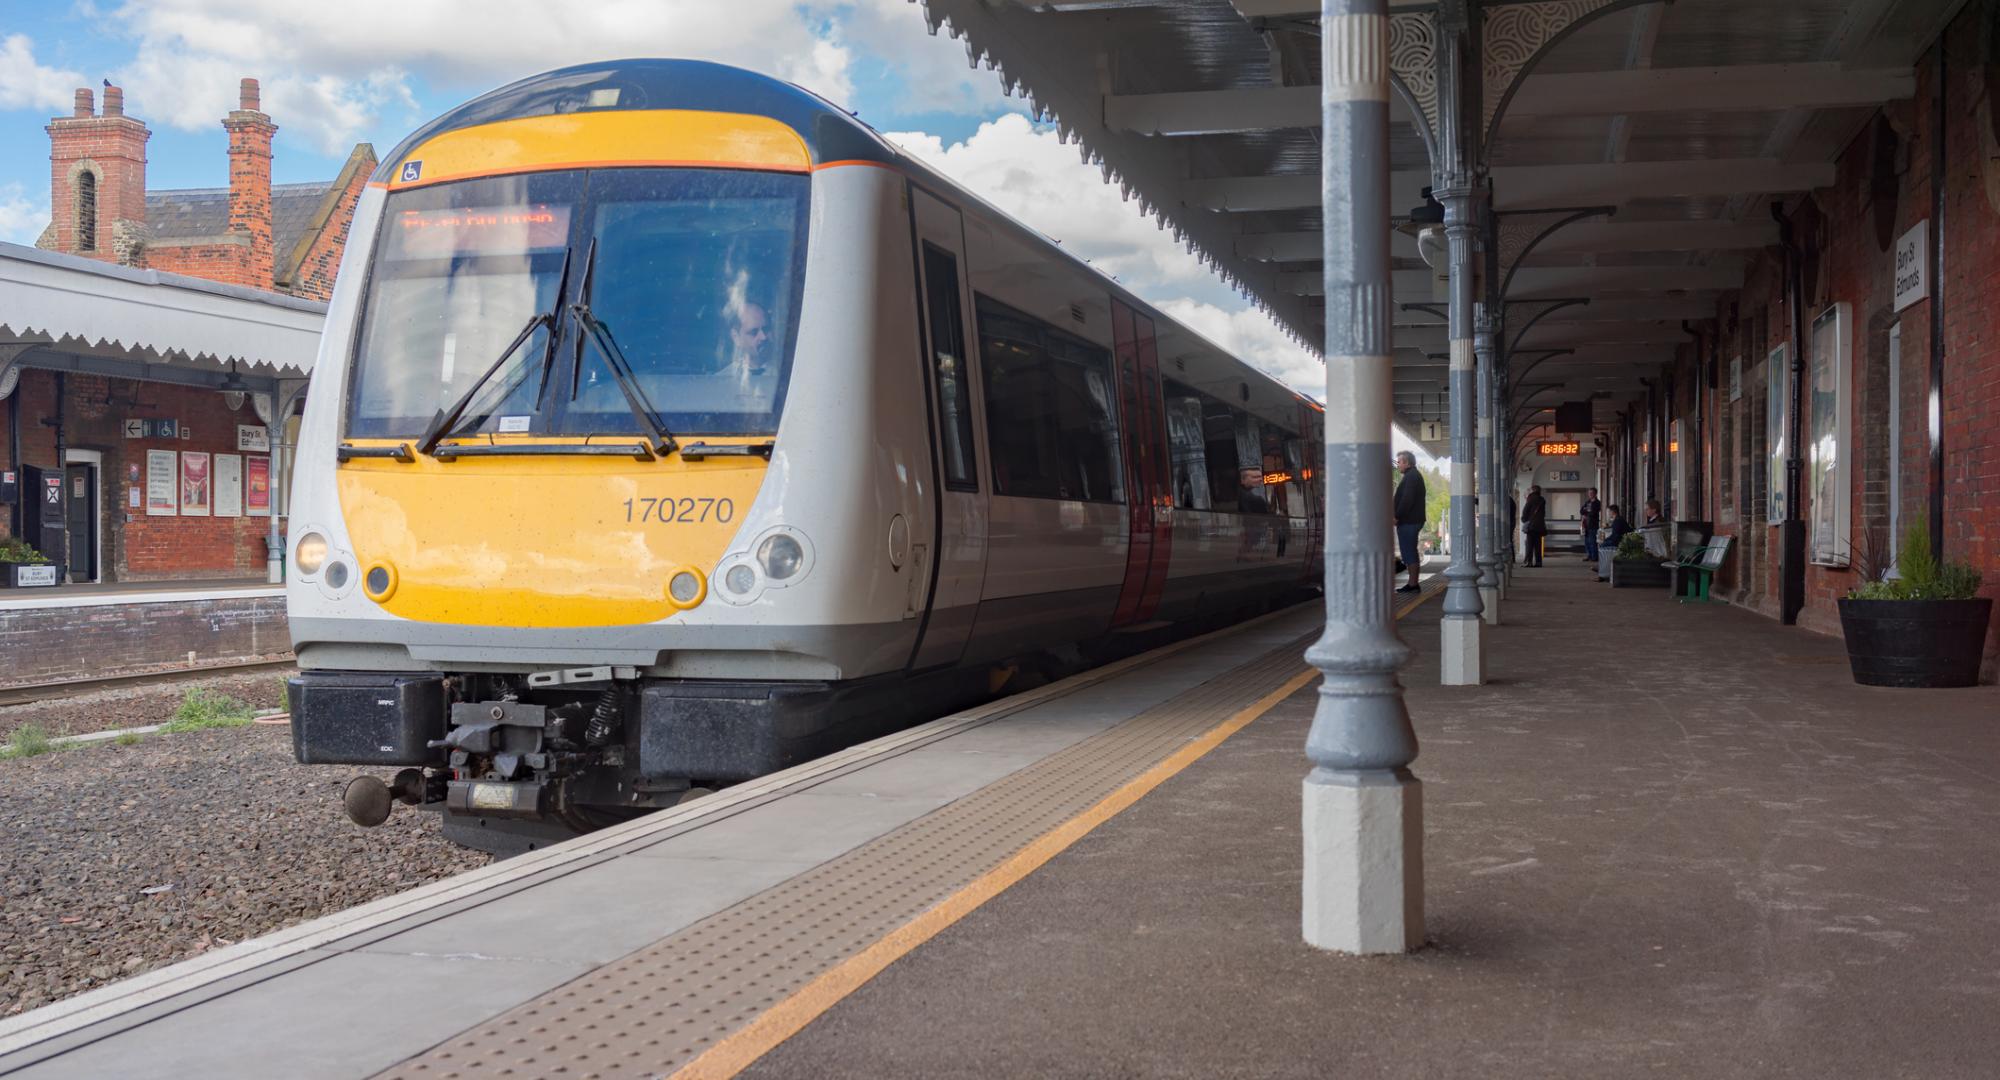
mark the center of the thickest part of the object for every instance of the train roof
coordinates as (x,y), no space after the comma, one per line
(829,132)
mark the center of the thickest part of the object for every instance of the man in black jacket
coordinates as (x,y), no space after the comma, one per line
(1409,515)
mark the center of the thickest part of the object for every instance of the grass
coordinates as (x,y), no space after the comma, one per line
(202,709)
(128,738)
(28,740)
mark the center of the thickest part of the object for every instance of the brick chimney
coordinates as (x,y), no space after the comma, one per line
(250,134)
(97,181)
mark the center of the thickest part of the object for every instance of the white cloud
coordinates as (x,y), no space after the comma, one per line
(329,71)
(21,218)
(1024,170)
(25,84)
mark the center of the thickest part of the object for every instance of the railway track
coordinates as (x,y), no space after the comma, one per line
(22,695)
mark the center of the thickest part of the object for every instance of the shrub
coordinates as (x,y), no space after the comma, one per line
(16,550)
(29,740)
(201,709)
(1920,576)
(1632,548)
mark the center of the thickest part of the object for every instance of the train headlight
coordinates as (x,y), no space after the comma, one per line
(311,553)
(686,588)
(781,557)
(740,579)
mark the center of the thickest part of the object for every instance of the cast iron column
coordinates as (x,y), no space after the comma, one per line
(1363,811)
(1462,653)
(1490,513)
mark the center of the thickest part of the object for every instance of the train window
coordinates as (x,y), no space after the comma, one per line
(1187,453)
(695,274)
(458,271)
(698,272)
(1050,416)
(1218,425)
(947,325)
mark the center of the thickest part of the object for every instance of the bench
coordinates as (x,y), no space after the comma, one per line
(1702,562)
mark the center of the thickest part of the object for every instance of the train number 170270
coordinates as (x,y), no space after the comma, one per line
(670,511)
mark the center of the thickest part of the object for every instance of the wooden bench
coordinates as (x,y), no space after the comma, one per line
(1702,562)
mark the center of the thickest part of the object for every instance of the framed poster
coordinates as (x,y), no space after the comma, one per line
(257,486)
(1828,429)
(1777,429)
(197,484)
(162,480)
(228,485)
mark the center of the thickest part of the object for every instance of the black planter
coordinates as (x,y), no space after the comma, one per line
(12,575)
(1926,643)
(1638,574)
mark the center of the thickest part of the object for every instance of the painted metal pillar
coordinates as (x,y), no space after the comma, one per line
(1491,510)
(1363,810)
(1462,653)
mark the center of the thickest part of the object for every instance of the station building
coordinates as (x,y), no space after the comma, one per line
(154,351)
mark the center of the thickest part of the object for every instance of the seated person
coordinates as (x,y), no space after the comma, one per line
(1617,529)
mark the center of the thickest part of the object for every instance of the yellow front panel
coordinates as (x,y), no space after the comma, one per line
(543,541)
(656,137)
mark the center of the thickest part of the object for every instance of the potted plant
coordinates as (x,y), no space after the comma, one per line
(21,566)
(1635,566)
(1923,627)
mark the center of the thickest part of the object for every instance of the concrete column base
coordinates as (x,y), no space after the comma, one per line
(1462,652)
(1489,600)
(1364,870)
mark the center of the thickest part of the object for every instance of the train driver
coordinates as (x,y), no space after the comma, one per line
(750,373)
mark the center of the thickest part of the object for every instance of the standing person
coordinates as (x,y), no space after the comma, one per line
(1409,515)
(1534,525)
(1593,509)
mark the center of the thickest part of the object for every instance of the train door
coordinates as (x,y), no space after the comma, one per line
(959,535)
(1149,498)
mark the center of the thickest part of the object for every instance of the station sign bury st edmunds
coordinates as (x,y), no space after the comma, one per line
(1913,268)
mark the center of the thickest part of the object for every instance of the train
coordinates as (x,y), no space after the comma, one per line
(671,427)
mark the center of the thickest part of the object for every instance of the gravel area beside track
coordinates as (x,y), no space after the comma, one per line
(134,706)
(117,859)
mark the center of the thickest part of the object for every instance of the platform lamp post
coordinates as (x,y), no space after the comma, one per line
(1363,810)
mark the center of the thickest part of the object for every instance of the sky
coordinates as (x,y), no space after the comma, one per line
(335,74)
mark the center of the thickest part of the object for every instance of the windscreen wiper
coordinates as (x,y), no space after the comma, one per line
(662,440)
(446,419)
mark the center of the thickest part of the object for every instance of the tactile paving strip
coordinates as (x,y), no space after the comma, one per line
(659,1008)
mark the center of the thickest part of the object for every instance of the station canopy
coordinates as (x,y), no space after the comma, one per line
(1686,118)
(67,313)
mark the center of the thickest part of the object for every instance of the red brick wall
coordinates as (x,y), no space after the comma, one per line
(137,547)
(114,147)
(1840,227)
(229,263)
(314,279)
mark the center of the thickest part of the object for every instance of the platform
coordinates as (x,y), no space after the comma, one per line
(71,632)
(1678,842)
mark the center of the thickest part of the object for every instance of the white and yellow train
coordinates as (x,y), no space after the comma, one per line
(670,427)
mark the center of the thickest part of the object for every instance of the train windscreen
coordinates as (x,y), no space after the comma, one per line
(690,279)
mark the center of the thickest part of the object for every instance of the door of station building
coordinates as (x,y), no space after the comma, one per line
(957,538)
(80,491)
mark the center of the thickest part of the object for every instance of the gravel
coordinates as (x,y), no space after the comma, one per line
(118,859)
(139,704)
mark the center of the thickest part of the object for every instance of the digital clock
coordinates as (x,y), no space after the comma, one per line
(1560,449)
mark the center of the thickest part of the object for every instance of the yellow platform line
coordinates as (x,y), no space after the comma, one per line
(785,1019)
